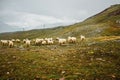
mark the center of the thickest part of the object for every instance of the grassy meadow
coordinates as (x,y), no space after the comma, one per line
(92,59)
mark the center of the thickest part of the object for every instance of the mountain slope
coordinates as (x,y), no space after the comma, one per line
(105,23)
(110,14)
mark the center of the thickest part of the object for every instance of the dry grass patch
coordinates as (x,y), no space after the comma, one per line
(106,38)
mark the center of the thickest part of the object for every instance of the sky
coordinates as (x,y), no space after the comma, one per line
(36,14)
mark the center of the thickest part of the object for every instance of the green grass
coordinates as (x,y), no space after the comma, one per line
(95,58)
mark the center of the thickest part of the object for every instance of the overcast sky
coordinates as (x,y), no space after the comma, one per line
(30,14)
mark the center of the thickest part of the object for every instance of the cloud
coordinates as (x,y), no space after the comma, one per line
(31,20)
(32,14)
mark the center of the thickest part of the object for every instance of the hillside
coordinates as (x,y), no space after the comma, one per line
(108,15)
(104,23)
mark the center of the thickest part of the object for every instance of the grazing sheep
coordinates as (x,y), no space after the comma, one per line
(38,41)
(13,40)
(10,44)
(82,37)
(44,42)
(50,41)
(4,42)
(24,40)
(27,42)
(18,40)
(61,41)
(72,39)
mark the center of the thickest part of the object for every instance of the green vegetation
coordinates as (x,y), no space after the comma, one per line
(96,58)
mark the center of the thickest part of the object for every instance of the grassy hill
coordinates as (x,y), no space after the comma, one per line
(104,23)
(96,58)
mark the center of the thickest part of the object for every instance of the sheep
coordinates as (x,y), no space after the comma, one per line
(4,42)
(38,41)
(72,39)
(24,40)
(44,42)
(18,40)
(50,41)
(13,40)
(27,42)
(10,44)
(61,41)
(82,37)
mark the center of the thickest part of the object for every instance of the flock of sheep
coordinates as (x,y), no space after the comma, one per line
(41,41)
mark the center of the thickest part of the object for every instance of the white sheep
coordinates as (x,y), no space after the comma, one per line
(82,37)
(18,40)
(24,40)
(10,44)
(13,40)
(27,42)
(50,41)
(44,42)
(38,41)
(72,39)
(61,41)
(4,42)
